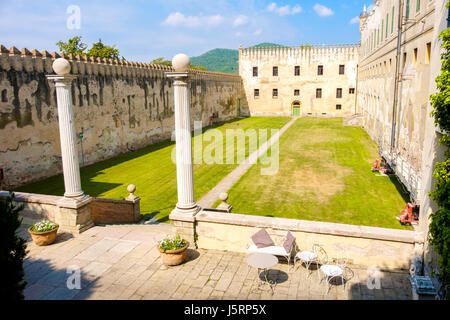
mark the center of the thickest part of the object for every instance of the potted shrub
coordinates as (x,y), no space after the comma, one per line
(173,250)
(43,232)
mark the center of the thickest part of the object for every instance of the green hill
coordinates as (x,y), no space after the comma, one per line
(219,60)
(224,60)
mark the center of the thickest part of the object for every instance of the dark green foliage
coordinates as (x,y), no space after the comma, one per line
(12,251)
(103,51)
(219,60)
(73,46)
(440,225)
(169,63)
(99,49)
(227,60)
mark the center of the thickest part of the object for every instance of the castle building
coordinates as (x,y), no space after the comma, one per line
(300,81)
(399,62)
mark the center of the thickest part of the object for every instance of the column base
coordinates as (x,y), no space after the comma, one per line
(74,214)
(184,222)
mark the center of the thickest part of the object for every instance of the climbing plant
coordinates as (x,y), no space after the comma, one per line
(439,230)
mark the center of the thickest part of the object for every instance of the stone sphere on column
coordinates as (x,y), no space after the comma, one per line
(61,66)
(181,62)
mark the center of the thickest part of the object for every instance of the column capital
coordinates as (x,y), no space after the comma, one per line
(179,75)
(61,79)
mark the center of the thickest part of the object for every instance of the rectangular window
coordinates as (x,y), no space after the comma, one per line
(339,93)
(392,22)
(256,93)
(407,9)
(404,60)
(428,54)
(351,91)
(338,107)
(341,69)
(418,6)
(387,25)
(297,70)
(382,29)
(296,92)
(320,70)
(275,71)
(275,93)
(255,71)
(415,57)
(318,93)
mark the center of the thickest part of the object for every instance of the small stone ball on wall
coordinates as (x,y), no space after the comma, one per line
(61,66)
(181,62)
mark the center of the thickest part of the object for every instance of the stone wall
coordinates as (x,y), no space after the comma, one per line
(286,82)
(119,106)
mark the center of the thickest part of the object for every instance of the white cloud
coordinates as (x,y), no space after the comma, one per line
(322,11)
(354,20)
(284,10)
(179,19)
(257,32)
(240,20)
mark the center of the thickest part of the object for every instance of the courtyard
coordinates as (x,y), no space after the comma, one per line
(122,262)
(324,175)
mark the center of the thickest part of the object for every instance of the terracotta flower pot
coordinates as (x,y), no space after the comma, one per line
(43,238)
(174,257)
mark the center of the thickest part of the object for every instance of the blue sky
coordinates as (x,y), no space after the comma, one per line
(144,30)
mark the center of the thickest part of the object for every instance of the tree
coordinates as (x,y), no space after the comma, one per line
(103,51)
(12,251)
(440,224)
(161,61)
(72,46)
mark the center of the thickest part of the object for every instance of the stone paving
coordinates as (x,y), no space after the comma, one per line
(122,262)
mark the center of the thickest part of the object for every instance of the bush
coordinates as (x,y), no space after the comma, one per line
(43,226)
(12,251)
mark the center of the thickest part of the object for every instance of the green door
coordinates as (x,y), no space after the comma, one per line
(296,111)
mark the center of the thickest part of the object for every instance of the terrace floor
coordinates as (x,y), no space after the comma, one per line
(122,262)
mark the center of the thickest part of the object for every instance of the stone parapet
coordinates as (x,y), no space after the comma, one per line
(366,246)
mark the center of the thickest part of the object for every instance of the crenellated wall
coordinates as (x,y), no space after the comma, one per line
(306,82)
(118,105)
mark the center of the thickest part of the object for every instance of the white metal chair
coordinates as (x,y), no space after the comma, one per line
(277,250)
(335,271)
(317,255)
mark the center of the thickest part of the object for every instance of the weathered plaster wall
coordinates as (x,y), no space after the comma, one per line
(308,59)
(376,83)
(119,106)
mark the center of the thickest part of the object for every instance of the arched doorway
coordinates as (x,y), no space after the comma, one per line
(296,105)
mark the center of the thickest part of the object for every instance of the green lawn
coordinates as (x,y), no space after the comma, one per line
(324,175)
(153,173)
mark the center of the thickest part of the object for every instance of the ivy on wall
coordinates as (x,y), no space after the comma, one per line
(439,230)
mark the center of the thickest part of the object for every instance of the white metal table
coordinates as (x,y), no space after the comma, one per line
(263,261)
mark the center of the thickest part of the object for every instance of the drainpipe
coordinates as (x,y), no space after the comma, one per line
(397,74)
(356,87)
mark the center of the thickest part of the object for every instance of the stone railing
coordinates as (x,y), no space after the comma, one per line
(74,220)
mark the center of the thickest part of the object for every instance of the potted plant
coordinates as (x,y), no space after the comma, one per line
(43,232)
(173,250)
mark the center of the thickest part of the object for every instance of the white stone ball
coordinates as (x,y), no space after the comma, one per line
(223,196)
(181,62)
(61,66)
(131,188)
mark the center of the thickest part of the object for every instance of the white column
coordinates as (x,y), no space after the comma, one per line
(185,176)
(69,153)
